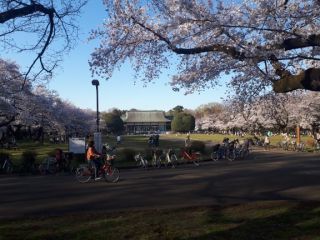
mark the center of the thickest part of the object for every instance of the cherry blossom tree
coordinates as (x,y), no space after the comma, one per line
(50,114)
(9,100)
(308,112)
(34,111)
(260,43)
(277,108)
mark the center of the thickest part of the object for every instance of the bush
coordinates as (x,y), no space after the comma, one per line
(310,143)
(77,158)
(28,161)
(148,154)
(198,146)
(126,155)
(52,153)
(3,156)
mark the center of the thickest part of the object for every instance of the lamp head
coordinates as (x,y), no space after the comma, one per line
(95,82)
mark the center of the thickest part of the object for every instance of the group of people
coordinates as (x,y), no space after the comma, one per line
(153,140)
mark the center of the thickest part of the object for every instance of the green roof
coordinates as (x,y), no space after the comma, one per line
(145,116)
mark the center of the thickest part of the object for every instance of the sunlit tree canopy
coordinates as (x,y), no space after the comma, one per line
(262,44)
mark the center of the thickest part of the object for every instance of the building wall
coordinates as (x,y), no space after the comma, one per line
(145,127)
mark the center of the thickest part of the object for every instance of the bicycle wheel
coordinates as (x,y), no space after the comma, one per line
(214,156)
(42,169)
(197,158)
(52,169)
(231,155)
(8,167)
(112,174)
(245,153)
(156,163)
(83,174)
(174,160)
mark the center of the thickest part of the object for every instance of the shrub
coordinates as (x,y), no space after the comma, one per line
(126,155)
(310,143)
(77,158)
(148,154)
(198,146)
(3,156)
(52,153)
(28,158)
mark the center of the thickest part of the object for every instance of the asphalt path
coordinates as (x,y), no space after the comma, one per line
(267,175)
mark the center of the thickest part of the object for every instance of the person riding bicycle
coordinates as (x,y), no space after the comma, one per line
(93,158)
(187,144)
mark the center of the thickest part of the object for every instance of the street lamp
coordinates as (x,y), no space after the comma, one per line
(95,82)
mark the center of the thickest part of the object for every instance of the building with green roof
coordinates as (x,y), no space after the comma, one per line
(138,122)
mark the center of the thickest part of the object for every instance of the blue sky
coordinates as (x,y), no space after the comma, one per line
(73,79)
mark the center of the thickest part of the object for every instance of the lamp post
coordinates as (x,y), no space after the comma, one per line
(95,82)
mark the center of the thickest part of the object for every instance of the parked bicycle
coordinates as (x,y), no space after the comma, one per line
(6,166)
(48,166)
(224,152)
(283,144)
(299,147)
(51,166)
(171,158)
(316,146)
(193,157)
(292,145)
(158,157)
(141,160)
(230,150)
(107,172)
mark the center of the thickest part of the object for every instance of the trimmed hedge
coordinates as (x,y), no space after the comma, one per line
(198,146)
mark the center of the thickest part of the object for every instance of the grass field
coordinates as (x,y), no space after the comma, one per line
(264,220)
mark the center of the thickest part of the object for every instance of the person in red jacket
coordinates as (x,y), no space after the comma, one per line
(93,158)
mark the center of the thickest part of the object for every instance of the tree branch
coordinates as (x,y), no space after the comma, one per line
(312,40)
(229,50)
(24,11)
(308,79)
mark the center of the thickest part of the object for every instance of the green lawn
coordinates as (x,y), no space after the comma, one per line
(42,150)
(216,138)
(257,220)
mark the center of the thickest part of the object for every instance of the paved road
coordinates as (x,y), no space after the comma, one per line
(267,176)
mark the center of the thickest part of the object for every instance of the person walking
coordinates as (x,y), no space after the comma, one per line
(266,143)
(118,139)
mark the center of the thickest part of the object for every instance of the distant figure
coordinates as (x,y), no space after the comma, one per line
(118,139)
(156,140)
(60,159)
(266,142)
(286,138)
(318,137)
(187,144)
(153,140)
